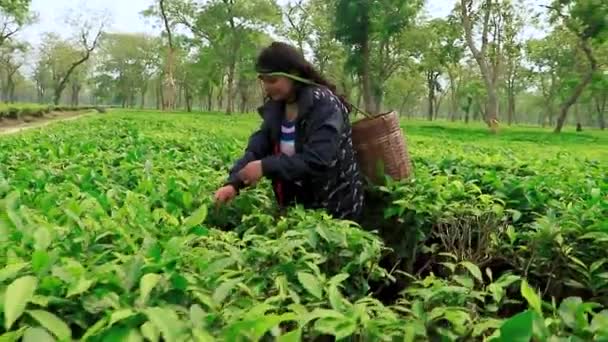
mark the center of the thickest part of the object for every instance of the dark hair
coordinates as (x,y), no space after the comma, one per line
(282,57)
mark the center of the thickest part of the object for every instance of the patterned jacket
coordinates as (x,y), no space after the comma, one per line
(323,173)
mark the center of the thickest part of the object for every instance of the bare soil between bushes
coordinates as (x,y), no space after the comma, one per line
(10,126)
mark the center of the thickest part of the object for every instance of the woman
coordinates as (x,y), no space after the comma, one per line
(304,144)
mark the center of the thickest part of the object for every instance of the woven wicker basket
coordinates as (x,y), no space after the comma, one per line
(381,148)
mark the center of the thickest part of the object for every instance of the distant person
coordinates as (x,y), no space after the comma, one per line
(304,143)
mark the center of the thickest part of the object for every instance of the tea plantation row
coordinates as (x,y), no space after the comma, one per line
(107,232)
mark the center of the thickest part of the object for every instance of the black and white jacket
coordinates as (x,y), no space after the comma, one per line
(323,173)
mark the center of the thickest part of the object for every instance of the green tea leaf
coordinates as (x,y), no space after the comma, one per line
(568,310)
(516,215)
(340,328)
(119,315)
(12,270)
(311,284)
(531,296)
(79,287)
(166,321)
(197,316)
(117,333)
(150,332)
(37,335)
(292,336)
(42,238)
(17,295)
(221,293)
(196,218)
(473,269)
(133,336)
(40,260)
(146,285)
(201,336)
(13,336)
(485,325)
(52,323)
(336,299)
(518,328)
(599,323)
(95,329)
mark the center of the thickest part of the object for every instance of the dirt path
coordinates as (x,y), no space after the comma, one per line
(11,127)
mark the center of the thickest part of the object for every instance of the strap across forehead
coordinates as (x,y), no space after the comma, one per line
(291,76)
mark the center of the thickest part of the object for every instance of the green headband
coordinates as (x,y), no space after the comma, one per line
(293,77)
(306,81)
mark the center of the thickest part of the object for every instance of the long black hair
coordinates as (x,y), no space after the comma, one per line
(282,57)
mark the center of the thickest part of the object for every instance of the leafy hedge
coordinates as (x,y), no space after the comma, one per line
(17,112)
(116,238)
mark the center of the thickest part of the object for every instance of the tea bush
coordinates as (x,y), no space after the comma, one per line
(107,232)
(19,110)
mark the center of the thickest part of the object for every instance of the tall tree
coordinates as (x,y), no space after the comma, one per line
(487,19)
(513,54)
(42,79)
(225,25)
(64,57)
(169,92)
(299,25)
(373,32)
(588,21)
(14,14)
(129,60)
(439,53)
(12,58)
(598,90)
(551,60)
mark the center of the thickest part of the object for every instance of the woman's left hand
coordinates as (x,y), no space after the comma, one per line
(251,173)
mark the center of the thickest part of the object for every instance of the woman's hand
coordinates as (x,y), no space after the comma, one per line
(225,194)
(251,173)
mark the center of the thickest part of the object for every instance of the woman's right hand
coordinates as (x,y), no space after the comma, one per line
(225,194)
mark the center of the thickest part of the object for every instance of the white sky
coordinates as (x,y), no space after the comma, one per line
(125,14)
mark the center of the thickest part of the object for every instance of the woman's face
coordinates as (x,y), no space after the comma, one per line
(279,88)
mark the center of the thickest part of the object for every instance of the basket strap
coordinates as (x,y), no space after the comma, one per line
(310,82)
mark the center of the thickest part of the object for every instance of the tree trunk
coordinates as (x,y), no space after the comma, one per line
(563,112)
(179,97)
(579,88)
(359,98)
(40,93)
(467,109)
(601,107)
(491,115)
(144,90)
(188,97)
(159,96)
(491,107)
(453,98)
(75,93)
(243,107)
(162,96)
(169,81)
(403,103)
(378,97)
(220,97)
(431,95)
(210,100)
(11,92)
(511,107)
(365,77)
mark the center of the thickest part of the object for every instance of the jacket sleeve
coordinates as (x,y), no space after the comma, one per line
(319,150)
(258,147)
